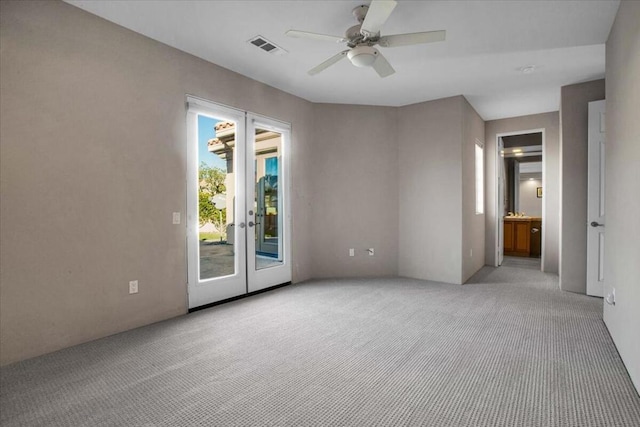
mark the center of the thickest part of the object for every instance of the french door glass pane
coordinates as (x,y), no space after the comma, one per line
(216,197)
(268,201)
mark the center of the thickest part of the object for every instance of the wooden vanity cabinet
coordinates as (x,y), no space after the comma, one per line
(536,238)
(508,237)
(518,238)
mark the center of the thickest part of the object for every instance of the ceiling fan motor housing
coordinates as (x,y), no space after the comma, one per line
(353,34)
(362,56)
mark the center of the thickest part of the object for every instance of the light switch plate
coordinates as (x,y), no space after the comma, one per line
(176,217)
(133,287)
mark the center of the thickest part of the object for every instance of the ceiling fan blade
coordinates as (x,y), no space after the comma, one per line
(314,36)
(382,66)
(377,15)
(412,38)
(329,62)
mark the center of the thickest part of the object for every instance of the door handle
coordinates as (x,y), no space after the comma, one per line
(251,223)
(596,224)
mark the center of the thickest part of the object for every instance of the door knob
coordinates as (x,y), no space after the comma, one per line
(242,225)
(595,224)
(251,224)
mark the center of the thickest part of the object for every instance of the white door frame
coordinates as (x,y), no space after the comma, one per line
(498,158)
(500,179)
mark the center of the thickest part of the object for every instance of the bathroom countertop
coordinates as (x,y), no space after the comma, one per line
(523,218)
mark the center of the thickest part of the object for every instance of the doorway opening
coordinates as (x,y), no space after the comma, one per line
(520,199)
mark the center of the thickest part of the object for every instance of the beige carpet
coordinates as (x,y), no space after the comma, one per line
(509,349)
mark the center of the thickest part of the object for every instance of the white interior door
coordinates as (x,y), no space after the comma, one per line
(238,217)
(268,215)
(595,204)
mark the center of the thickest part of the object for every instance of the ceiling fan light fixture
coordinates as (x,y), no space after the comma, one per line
(362,56)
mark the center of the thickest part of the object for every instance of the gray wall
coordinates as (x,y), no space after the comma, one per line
(529,201)
(551,165)
(355,196)
(430,190)
(92,166)
(622,250)
(473,236)
(574,100)
(438,224)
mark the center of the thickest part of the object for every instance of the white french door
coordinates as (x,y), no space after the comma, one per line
(268,207)
(238,221)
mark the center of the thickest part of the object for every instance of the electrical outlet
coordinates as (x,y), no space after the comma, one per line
(352,252)
(611,298)
(371,251)
(133,287)
(176,217)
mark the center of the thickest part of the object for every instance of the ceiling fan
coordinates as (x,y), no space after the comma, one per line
(362,38)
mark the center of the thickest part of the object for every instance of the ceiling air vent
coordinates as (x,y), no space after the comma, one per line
(267,46)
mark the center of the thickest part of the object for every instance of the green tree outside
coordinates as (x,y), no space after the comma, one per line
(211,182)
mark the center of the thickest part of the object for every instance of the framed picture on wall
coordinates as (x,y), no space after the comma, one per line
(539,192)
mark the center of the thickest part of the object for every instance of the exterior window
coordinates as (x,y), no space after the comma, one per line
(479,178)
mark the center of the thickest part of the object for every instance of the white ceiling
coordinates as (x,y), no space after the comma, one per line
(487,43)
